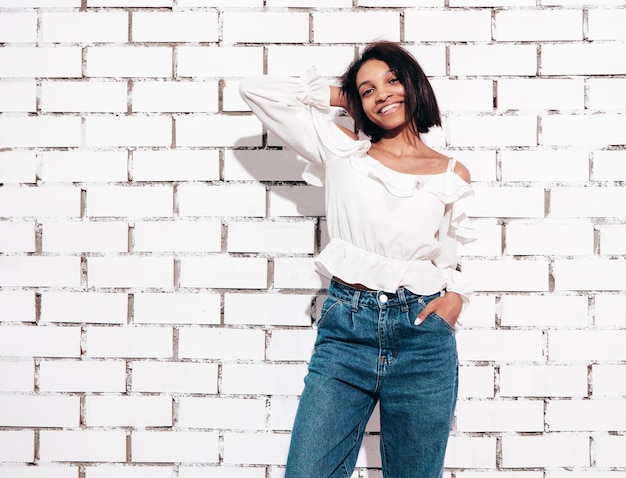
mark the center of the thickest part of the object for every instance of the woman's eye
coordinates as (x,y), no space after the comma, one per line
(393,80)
(366,92)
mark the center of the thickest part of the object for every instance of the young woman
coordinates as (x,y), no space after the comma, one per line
(395,211)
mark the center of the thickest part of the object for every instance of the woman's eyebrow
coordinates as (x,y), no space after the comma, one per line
(369,81)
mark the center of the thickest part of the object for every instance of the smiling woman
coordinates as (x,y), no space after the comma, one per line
(395,212)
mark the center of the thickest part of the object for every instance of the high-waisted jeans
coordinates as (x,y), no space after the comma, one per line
(369,350)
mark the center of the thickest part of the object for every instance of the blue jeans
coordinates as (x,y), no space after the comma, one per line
(368,350)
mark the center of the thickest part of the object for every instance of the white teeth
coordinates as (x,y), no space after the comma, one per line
(387,108)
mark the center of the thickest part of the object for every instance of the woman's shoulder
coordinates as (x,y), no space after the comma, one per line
(347,132)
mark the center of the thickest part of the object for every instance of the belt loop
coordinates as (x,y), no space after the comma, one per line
(355,300)
(402,297)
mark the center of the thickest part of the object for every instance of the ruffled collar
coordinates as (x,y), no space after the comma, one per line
(447,186)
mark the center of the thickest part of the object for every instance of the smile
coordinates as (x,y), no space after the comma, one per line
(389,108)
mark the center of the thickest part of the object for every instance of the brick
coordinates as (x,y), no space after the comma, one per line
(296,201)
(130,3)
(489,242)
(282,413)
(432,58)
(19,341)
(545,166)
(585,474)
(217,130)
(18,167)
(84,307)
(256,448)
(17,376)
(18,96)
(224,272)
(502,474)
(17,446)
(463,95)
(582,346)
(471,452)
(549,239)
(561,3)
(476,382)
(500,345)
(583,59)
(219,62)
(83,96)
(176,165)
(606,24)
(84,166)
(181,236)
(583,129)
(125,61)
(39,271)
(551,450)
(499,416)
(17,306)
(221,343)
(355,27)
(586,415)
(230,200)
(589,274)
(472,60)
(288,60)
(492,130)
(607,94)
(39,202)
(262,379)
(288,237)
(175,96)
(291,344)
(84,27)
(447,25)
(297,273)
(34,411)
(545,310)
(540,94)
(220,3)
(508,275)
(125,471)
(82,376)
(179,308)
(39,471)
(262,165)
(543,381)
(18,27)
(492,3)
(17,236)
(189,26)
(84,236)
(609,166)
(262,309)
(51,62)
(268,27)
(607,309)
(231,99)
(311,3)
(141,130)
(41,3)
(610,451)
(39,131)
(130,271)
(128,411)
(220,471)
(175,446)
(482,164)
(587,202)
(612,239)
(129,342)
(508,202)
(82,445)
(224,413)
(112,201)
(480,312)
(538,25)
(608,380)
(174,377)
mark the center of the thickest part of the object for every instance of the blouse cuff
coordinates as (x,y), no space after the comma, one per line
(457,282)
(315,91)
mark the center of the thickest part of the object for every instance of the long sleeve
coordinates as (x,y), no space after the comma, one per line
(296,110)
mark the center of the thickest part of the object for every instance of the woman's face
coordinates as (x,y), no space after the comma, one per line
(382,95)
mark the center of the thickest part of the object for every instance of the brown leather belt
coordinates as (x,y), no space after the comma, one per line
(354,286)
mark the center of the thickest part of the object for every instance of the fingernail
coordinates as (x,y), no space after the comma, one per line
(418,321)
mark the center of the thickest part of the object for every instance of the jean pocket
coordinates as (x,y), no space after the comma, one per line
(329,304)
(443,321)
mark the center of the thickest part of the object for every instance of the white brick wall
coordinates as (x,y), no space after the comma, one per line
(156,245)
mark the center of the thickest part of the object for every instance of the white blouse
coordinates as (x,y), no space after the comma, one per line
(387,229)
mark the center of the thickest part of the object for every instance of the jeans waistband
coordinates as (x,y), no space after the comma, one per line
(400,298)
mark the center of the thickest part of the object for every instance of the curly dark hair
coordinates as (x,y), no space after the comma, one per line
(422,111)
